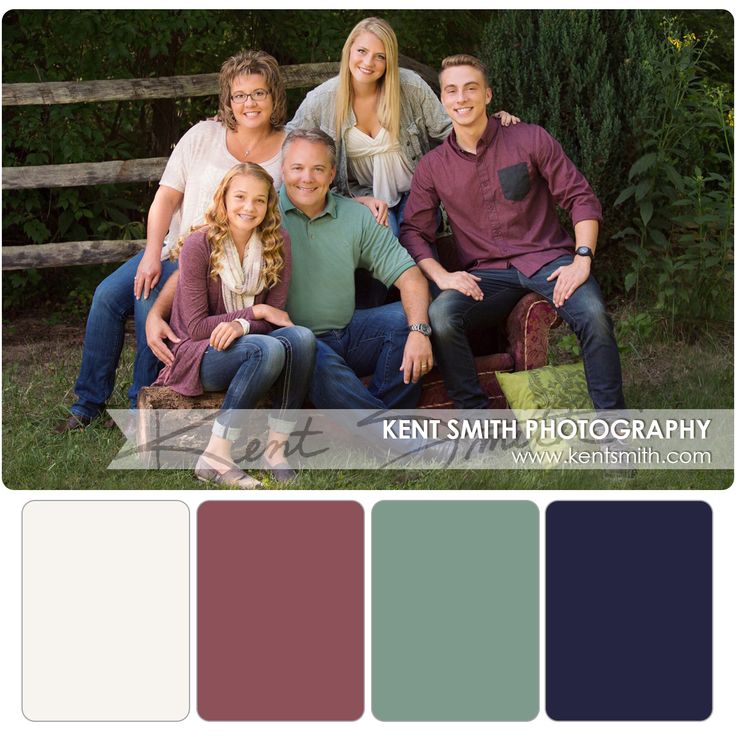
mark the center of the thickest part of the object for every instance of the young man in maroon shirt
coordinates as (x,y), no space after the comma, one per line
(500,187)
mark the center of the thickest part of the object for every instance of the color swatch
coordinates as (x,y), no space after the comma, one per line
(455,628)
(105,610)
(280,610)
(629,610)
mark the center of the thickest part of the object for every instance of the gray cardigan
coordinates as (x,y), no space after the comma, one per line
(422,120)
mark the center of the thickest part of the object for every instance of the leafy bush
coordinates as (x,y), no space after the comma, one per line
(578,73)
(681,187)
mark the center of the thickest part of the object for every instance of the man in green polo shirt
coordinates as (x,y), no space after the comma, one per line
(331,236)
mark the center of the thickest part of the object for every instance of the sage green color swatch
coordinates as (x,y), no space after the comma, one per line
(455,611)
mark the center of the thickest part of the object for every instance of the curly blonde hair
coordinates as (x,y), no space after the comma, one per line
(248,62)
(217,227)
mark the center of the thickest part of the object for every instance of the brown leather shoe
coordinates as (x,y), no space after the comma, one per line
(72,424)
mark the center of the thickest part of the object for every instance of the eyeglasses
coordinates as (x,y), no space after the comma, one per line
(258,95)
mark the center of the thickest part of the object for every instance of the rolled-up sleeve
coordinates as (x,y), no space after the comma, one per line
(381,252)
(569,188)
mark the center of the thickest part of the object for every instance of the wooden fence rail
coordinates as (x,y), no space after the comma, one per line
(108,90)
(75,253)
(76,175)
(49,255)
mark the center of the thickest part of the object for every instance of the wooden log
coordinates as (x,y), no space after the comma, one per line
(77,175)
(163,397)
(427,73)
(106,90)
(308,75)
(75,253)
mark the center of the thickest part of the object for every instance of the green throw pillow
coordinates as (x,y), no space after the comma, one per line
(551,387)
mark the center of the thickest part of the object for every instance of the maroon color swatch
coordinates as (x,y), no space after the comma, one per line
(280,610)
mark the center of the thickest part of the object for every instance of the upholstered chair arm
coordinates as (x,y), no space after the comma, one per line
(527,331)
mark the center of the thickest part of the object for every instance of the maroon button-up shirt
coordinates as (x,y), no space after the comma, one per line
(500,201)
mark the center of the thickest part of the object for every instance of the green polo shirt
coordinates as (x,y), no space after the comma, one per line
(325,252)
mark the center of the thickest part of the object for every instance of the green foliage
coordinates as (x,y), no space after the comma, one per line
(579,74)
(19,287)
(681,188)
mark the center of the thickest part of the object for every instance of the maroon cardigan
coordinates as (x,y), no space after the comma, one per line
(199,307)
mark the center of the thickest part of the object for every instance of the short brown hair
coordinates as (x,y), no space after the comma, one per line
(313,135)
(252,62)
(465,60)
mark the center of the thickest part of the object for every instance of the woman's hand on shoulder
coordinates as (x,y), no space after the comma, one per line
(224,334)
(506,118)
(275,316)
(378,208)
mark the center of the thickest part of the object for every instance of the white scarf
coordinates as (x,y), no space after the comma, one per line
(241,283)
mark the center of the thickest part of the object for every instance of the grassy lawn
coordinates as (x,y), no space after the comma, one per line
(40,364)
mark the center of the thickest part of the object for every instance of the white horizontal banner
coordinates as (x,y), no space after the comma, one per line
(341,439)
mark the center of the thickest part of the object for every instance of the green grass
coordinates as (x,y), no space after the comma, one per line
(38,379)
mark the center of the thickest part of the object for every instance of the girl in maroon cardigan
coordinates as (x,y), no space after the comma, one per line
(229,313)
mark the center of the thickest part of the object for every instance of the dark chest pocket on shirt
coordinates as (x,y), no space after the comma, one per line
(514,181)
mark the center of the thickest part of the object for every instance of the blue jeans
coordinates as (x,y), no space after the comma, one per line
(373,342)
(396,214)
(251,366)
(452,313)
(112,304)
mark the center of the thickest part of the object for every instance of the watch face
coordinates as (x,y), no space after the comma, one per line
(583,250)
(421,327)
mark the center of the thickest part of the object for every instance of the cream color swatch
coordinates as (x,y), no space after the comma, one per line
(105,610)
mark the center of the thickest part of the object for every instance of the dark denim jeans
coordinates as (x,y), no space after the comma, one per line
(372,343)
(251,366)
(112,304)
(370,292)
(452,313)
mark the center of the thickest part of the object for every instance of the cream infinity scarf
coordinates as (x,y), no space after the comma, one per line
(240,284)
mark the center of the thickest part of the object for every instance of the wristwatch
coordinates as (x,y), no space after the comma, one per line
(583,250)
(422,327)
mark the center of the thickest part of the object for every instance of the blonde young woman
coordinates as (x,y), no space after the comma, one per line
(229,314)
(252,111)
(383,119)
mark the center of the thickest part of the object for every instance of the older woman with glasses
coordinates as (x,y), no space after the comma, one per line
(252,111)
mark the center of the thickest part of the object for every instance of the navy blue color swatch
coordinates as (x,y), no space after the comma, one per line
(629,610)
